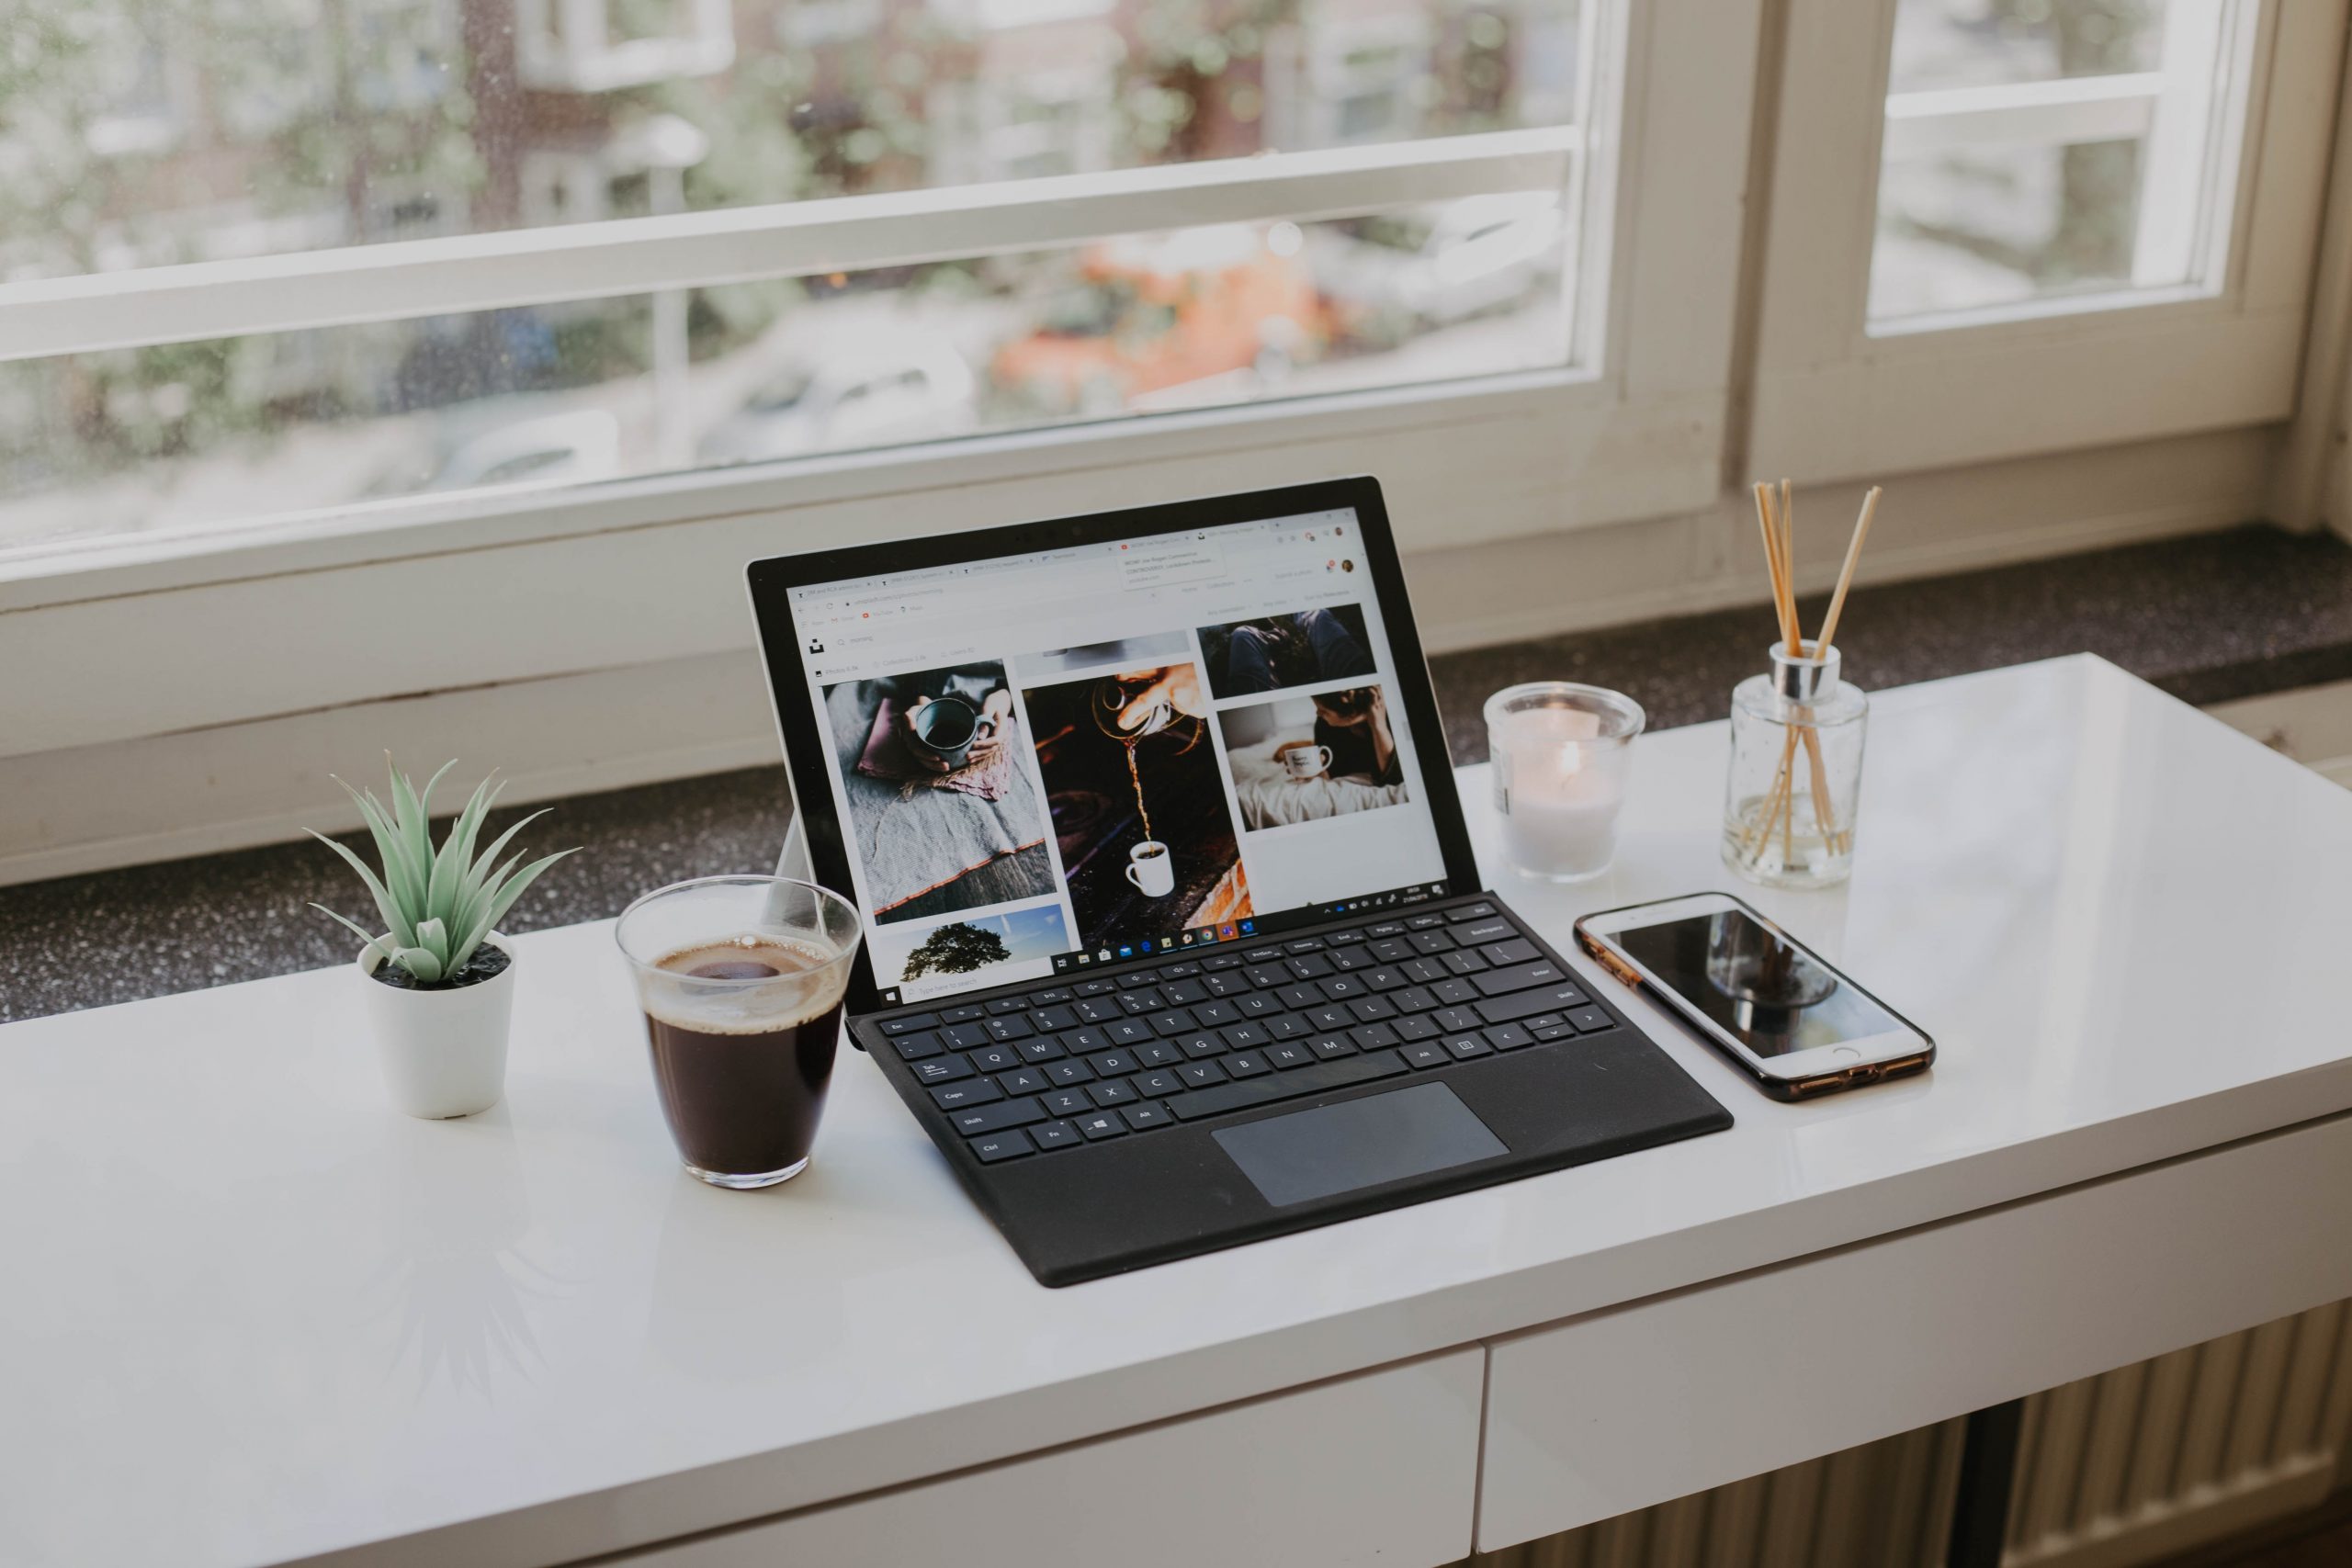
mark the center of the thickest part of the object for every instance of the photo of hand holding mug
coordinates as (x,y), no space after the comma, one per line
(945,733)
(1303,759)
(1312,758)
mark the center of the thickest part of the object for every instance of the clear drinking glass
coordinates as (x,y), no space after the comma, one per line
(743,980)
(1797,772)
(1561,753)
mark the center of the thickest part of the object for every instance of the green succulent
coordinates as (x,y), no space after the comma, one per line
(436,905)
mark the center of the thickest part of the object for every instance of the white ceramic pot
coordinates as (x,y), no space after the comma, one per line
(444,1053)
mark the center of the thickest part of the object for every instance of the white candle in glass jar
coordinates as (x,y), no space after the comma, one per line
(1561,795)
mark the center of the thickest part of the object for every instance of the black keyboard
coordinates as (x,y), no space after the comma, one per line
(1203,1035)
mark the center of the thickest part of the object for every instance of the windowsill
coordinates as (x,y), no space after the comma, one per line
(2209,618)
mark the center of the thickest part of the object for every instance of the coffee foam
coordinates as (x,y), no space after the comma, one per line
(674,997)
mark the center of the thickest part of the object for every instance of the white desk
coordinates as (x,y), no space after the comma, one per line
(248,1314)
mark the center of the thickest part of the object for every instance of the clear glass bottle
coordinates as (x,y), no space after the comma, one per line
(1797,772)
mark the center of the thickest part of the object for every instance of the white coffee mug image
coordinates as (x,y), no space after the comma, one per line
(1151,870)
(1304,761)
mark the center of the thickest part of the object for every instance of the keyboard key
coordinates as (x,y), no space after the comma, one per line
(1095,987)
(1428,971)
(1288,1026)
(1126,1031)
(1262,954)
(1114,1064)
(1098,1010)
(1201,1045)
(1518,977)
(1067,1101)
(1055,1135)
(1300,996)
(911,1025)
(962,1014)
(1086,1042)
(1509,1036)
(1268,976)
(1486,931)
(1464,1046)
(1117,1092)
(1303,944)
(1210,1015)
(1456,992)
(1184,993)
(1546,1020)
(971,1091)
(964,1036)
(1258,1004)
(1140,1002)
(1560,997)
(1069,1070)
(1349,959)
(1372,1037)
(1025,1080)
(1590,1020)
(1183,971)
(1341,988)
(1050,996)
(1220,961)
(1295,1053)
(1146,1115)
(915,1047)
(1050,1021)
(942,1069)
(1164,1081)
(1423,923)
(996,1118)
(1101,1125)
(1321,1078)
(1135,978)
(1415,1027)
(1314,966)
(1387,977)
(1477,911)
(996,1058)
(1200,1073)
(1171,1023)
(1414,998)
(1550,1032)
(1041,1049)
(1329,1045)
(1344,938)
(1426,1053)
(1371,1009)
(1246,1064)
(997,1146)
(1160,1054)
(1225,983)
(1518,950)
(1465,962)
(1431,943)
(1240,1036)
(1394,950)
(1005,1004)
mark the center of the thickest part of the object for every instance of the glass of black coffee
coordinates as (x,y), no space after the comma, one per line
(741,979)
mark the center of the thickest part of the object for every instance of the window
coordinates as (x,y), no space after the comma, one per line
(2080,221)
(1263,200)
(2042,152)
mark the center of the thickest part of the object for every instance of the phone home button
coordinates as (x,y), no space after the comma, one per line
(1847,1053)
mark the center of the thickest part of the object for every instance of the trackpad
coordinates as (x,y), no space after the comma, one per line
(1360,1142)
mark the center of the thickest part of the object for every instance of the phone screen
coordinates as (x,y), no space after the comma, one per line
(1766,993)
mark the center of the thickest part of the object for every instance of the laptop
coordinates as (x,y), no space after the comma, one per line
(1174,939)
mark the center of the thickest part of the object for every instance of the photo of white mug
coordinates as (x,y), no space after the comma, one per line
(1151,870)
(1304,761)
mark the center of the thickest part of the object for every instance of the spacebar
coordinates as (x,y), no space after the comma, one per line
(1218,1098)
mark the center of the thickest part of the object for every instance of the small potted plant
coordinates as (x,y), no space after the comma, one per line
(439,981)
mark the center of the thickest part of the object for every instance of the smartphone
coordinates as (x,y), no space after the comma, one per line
(1776,1008)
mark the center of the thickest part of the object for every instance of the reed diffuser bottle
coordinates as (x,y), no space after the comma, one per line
(1796,771)
(1796,731)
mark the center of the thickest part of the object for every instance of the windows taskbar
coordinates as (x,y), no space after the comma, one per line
(1197,938)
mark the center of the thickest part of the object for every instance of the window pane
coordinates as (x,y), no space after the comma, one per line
(142,132)
(1974,43)
(101,445)
(2042,149)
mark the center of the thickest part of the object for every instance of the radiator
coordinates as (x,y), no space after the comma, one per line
(2121,1468)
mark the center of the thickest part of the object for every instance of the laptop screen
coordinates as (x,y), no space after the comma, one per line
(1048,761)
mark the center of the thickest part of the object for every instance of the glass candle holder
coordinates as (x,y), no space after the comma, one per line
(1796,771)
(1561,753)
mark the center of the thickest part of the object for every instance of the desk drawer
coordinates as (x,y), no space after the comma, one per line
(1624,1409)
(1380,1468)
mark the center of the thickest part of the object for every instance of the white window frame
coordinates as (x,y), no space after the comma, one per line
(156,633)
(1836,400)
